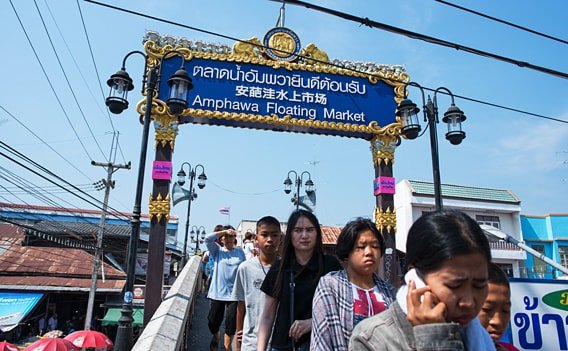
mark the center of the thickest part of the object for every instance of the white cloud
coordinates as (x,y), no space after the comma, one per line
(536,147)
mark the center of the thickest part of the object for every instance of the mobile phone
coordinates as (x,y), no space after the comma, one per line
(414,275)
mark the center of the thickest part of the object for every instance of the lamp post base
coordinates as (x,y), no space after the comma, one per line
(124,334)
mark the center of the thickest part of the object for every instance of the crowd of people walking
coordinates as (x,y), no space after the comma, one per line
(284,293)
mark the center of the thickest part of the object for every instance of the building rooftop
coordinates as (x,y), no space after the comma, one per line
(51,268)
(330,234)
(465,192)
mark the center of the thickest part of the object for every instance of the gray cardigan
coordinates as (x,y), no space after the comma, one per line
(391,330)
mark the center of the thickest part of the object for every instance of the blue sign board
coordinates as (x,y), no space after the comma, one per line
(14,306)
(276,97)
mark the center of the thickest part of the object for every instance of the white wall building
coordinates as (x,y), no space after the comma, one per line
(495,207)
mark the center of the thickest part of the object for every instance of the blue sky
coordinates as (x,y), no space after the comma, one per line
(246,168)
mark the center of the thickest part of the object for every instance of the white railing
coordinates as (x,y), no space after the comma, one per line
(167,330)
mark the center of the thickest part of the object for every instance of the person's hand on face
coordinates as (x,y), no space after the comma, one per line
(423,307)
(229,238)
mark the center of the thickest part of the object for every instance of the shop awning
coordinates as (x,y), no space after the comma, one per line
(113,314)
(14,306)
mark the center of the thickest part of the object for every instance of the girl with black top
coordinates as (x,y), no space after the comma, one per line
(290,285)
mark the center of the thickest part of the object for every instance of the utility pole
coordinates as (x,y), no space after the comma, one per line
(108,184)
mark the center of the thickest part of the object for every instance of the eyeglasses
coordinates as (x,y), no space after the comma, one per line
(299,230)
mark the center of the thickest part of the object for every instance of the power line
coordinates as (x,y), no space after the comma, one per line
(93,201)
(62,228)
(308,58)
(414,35)
(45,143)
(48,80)
(116,133)
(67,79)
(77,65)
(70,52)
(94,61)
(239,193)
(503,21)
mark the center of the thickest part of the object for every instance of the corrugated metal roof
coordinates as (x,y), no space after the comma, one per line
(80,228)
(58,284)
(330,234)
(67,211)
(49,266)
(465,192)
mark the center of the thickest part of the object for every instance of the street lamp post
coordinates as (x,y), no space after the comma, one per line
(197,236)
(191,196)
(298,182)
(120,84)
(408,113)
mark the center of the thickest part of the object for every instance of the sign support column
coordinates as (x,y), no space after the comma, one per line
(159,211)
(382,148)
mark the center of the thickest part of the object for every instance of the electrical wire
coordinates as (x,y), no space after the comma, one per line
(57,226)
(51,189)
(94,61)
(308,58)
(49,80)
(503,21)
(89,199)
(70,52)
(98,77)
(45,143)
(115,214)
(239,193)
(414,35)
(67,80)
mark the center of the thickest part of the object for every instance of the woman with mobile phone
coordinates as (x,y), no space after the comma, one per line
(447,254)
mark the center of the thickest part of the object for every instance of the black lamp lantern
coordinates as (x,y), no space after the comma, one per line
(454,118)
(309,186)
(408,113)
(120,84)
(287,185)
(180,83)
(201,180)
(181,177)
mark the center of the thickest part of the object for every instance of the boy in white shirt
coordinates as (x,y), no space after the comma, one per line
(250,276)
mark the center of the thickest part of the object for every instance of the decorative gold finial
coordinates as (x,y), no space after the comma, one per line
(166,130)
(385,219)
(383,147)
(159,207)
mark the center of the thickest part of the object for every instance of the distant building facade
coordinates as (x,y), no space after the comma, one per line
(547,234)
(494,207)
(62,227)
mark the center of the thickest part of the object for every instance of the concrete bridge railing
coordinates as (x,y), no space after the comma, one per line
(169,327)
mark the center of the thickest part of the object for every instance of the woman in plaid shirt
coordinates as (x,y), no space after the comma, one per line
(346,297)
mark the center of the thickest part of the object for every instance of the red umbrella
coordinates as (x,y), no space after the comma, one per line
(90,338)
(52,344)
(6,346)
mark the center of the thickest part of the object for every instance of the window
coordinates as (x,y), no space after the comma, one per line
(507,268)
(563,255)
(539,265)
(488,220)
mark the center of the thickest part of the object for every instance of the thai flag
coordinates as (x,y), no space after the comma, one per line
(225,211)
